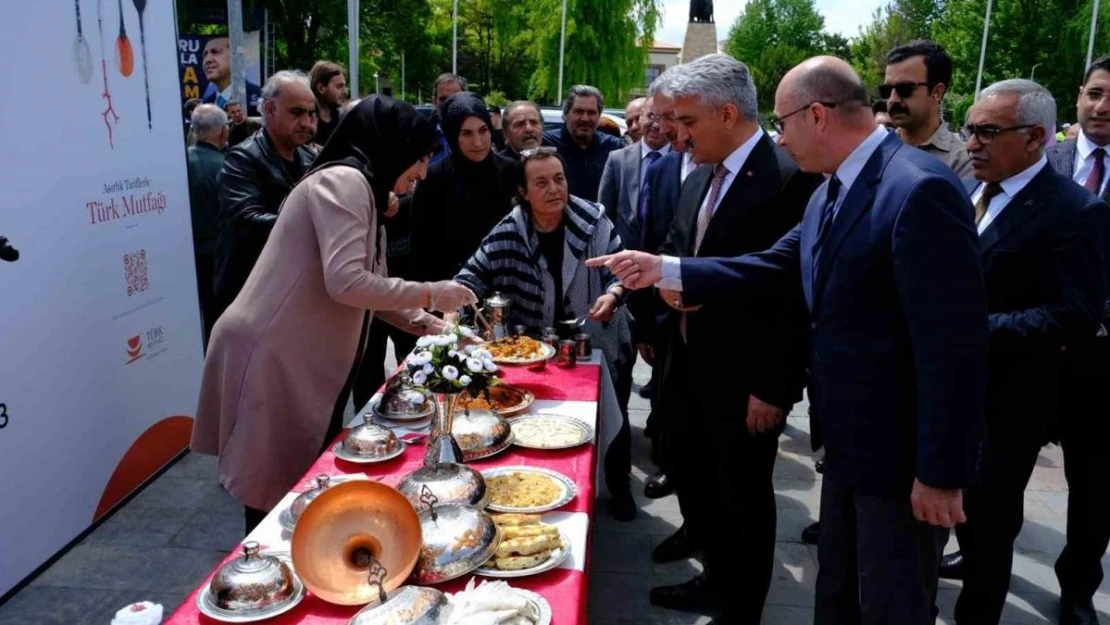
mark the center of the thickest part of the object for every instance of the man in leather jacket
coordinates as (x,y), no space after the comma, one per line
(257,176)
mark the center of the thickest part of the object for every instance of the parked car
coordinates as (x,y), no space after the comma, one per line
(553,118)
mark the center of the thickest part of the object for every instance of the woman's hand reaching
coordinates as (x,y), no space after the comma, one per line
(448,296)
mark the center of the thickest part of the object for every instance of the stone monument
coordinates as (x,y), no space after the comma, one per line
(701,32)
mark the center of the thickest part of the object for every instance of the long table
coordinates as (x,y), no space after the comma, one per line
(584,392)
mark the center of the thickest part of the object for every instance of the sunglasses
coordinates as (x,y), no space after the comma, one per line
(986,133)
(903,89)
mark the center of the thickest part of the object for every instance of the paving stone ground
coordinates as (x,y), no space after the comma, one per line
(168,538)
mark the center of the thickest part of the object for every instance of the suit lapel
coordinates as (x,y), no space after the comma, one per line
(1018,214)
(811,221)
(750,187)
(632,182)
(857,203)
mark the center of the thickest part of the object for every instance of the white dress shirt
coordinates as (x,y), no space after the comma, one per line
(1084,161)
(848,171)
(645,150)
(688,166)
(1010,188)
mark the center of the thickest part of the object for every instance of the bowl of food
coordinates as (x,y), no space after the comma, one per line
(519,350)
(527,490)
(481,433)
(504,399)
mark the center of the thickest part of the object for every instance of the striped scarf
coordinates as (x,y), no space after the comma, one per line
(509,261)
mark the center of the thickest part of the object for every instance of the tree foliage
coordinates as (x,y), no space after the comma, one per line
(505,46)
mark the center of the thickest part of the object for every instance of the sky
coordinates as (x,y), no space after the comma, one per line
(841,16)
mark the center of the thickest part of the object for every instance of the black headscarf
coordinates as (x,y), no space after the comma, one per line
(456,110)
(381,138)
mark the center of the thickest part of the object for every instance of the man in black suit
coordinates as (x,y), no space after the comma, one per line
(1042,266)
(1083,425)
(887,259)
(658,201)
(733,372)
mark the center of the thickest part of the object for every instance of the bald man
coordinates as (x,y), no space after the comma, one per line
(632,116)
(887,259)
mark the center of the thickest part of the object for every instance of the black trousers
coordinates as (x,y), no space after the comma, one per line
(206,280)
(723,477)
(878,564)
(1084,436)
(995,513)
(618,457)
(656,419)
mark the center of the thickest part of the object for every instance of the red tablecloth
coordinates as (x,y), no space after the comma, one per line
(564,589)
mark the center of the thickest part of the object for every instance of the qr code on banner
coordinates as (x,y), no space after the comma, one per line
(134,270)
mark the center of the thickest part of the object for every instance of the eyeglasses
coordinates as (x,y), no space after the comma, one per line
(777,122)
(655,118)
(1095,95)
(903,89)
(543,150)
(986,133)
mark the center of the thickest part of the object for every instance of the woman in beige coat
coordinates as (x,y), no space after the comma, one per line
(281,358)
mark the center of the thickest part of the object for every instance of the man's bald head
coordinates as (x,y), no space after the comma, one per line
(827,79)
(822,113)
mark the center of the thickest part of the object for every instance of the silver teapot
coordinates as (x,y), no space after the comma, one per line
(497,314)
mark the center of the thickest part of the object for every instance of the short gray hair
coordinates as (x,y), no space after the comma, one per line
(717,80)
(272,89)
(446,78)
(1036,105)
(583,91)
(207,121)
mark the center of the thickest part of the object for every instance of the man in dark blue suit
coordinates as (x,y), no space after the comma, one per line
(658,202)
(1040,236)
(887,259)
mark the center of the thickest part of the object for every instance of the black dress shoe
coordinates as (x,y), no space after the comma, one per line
(658,486)
(694,595)
(952,566)
(677,546)
(811,533)
(622,506)
(1077,612)
(647,391)
(819,466)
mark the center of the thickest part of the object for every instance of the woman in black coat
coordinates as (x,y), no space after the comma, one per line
(463,197)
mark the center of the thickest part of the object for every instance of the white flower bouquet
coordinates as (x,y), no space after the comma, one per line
(441,363)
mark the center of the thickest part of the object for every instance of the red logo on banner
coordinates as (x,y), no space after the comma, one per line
(134,348)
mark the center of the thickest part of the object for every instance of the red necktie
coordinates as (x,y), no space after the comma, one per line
(1094,179)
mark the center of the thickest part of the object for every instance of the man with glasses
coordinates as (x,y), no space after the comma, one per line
(1040,241)
(725,419)
(887,259)
(915,83)
(1083,433)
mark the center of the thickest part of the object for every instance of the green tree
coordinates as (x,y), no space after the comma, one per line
(771,36)
(602,46)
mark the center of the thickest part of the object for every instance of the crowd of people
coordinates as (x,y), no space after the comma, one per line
(941,294)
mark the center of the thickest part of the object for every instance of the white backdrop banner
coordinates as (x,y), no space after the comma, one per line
(100,348)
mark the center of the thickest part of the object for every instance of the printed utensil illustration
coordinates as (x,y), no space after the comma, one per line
(106,94)
(140,6)
(82,58)
(125,56)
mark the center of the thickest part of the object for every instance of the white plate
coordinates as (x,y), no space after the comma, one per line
(558,556)
(569,490)
(548,352)
(542,606)
(586,433)
(211,610)
(342,454)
